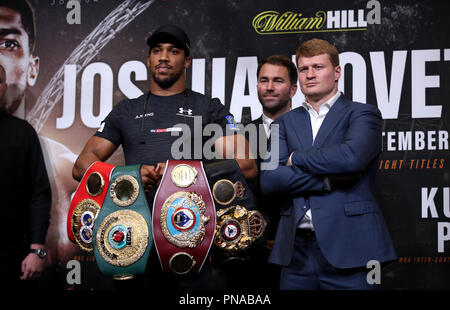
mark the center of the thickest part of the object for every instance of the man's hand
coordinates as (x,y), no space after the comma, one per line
(289,163)
(32,267)
(236,147)
(160,168)
(149,177)
(269,244)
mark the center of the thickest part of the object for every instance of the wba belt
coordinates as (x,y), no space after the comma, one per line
(86,204)
(183,217)
(122,231)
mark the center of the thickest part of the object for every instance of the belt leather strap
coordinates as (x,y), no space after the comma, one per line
(184,217)
(122,231)
(86,204)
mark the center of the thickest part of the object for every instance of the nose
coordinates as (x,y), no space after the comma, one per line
(270,85)
(164,55)
(310,73)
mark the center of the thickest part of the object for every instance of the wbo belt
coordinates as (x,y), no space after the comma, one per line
(239,224)
(183,217)
(86,204)
(122,231)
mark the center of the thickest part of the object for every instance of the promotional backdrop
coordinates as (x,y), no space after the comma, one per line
(394,54)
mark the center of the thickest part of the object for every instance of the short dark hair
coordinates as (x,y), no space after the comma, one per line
(26,11)
(280,60)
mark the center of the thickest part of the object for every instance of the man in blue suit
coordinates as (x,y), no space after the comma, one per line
(328,149)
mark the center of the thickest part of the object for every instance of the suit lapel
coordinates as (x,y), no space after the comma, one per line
(302,127)
(257,122)
(331,119)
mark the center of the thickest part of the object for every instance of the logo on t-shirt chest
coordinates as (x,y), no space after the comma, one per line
(185,112)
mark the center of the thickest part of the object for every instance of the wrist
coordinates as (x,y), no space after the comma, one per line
(40,252)
(35,246)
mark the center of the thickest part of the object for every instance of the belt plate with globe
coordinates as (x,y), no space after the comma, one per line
(86,204)
(183,217)
(122,231)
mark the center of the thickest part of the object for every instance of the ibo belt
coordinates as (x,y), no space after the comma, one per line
(86,204)
(183,217)
(122,231)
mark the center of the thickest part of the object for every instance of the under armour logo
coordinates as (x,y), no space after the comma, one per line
(182,111)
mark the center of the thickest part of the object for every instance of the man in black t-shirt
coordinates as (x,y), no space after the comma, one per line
(143,126)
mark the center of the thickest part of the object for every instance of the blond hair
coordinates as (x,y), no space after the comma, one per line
(316,47)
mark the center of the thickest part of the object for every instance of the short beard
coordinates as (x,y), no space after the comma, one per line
(167,81)
(277,108)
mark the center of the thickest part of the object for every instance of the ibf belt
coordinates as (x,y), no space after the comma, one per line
(122,231)
(86,204)
(183,217)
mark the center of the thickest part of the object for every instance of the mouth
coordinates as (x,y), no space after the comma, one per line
(311,84)
(163,68)
(270,96)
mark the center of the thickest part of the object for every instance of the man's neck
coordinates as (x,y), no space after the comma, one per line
(316,103)
(176,88)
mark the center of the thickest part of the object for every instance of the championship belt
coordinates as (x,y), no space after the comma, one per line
(184,217)
(238,224)
(86,204)
(122,231)
(237,228)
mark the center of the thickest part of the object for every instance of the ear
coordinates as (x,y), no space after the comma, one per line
(337,73)
(187,62)
(33,70)
(148,61)
(293,90)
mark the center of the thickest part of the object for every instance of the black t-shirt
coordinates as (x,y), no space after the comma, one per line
(129,126)
(126,124)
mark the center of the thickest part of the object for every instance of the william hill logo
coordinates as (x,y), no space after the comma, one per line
(273,22)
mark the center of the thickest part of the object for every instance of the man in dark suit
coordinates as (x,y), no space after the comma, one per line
(328,149)
(277,84)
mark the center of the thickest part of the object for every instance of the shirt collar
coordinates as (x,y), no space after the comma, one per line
(326,105)
(266,120)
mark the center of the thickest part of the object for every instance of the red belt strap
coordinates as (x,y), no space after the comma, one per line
(88,200)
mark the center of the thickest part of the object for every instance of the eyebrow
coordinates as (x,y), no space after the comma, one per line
(7,31)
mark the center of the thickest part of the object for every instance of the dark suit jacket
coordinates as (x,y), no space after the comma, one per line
(269,205)
(349,226)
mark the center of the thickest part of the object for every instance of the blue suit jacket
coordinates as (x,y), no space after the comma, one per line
(349,226)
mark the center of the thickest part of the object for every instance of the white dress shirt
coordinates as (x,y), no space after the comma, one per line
(267,121)
(316,122)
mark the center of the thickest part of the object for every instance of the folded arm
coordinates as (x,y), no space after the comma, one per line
(287,179)
(360,146)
